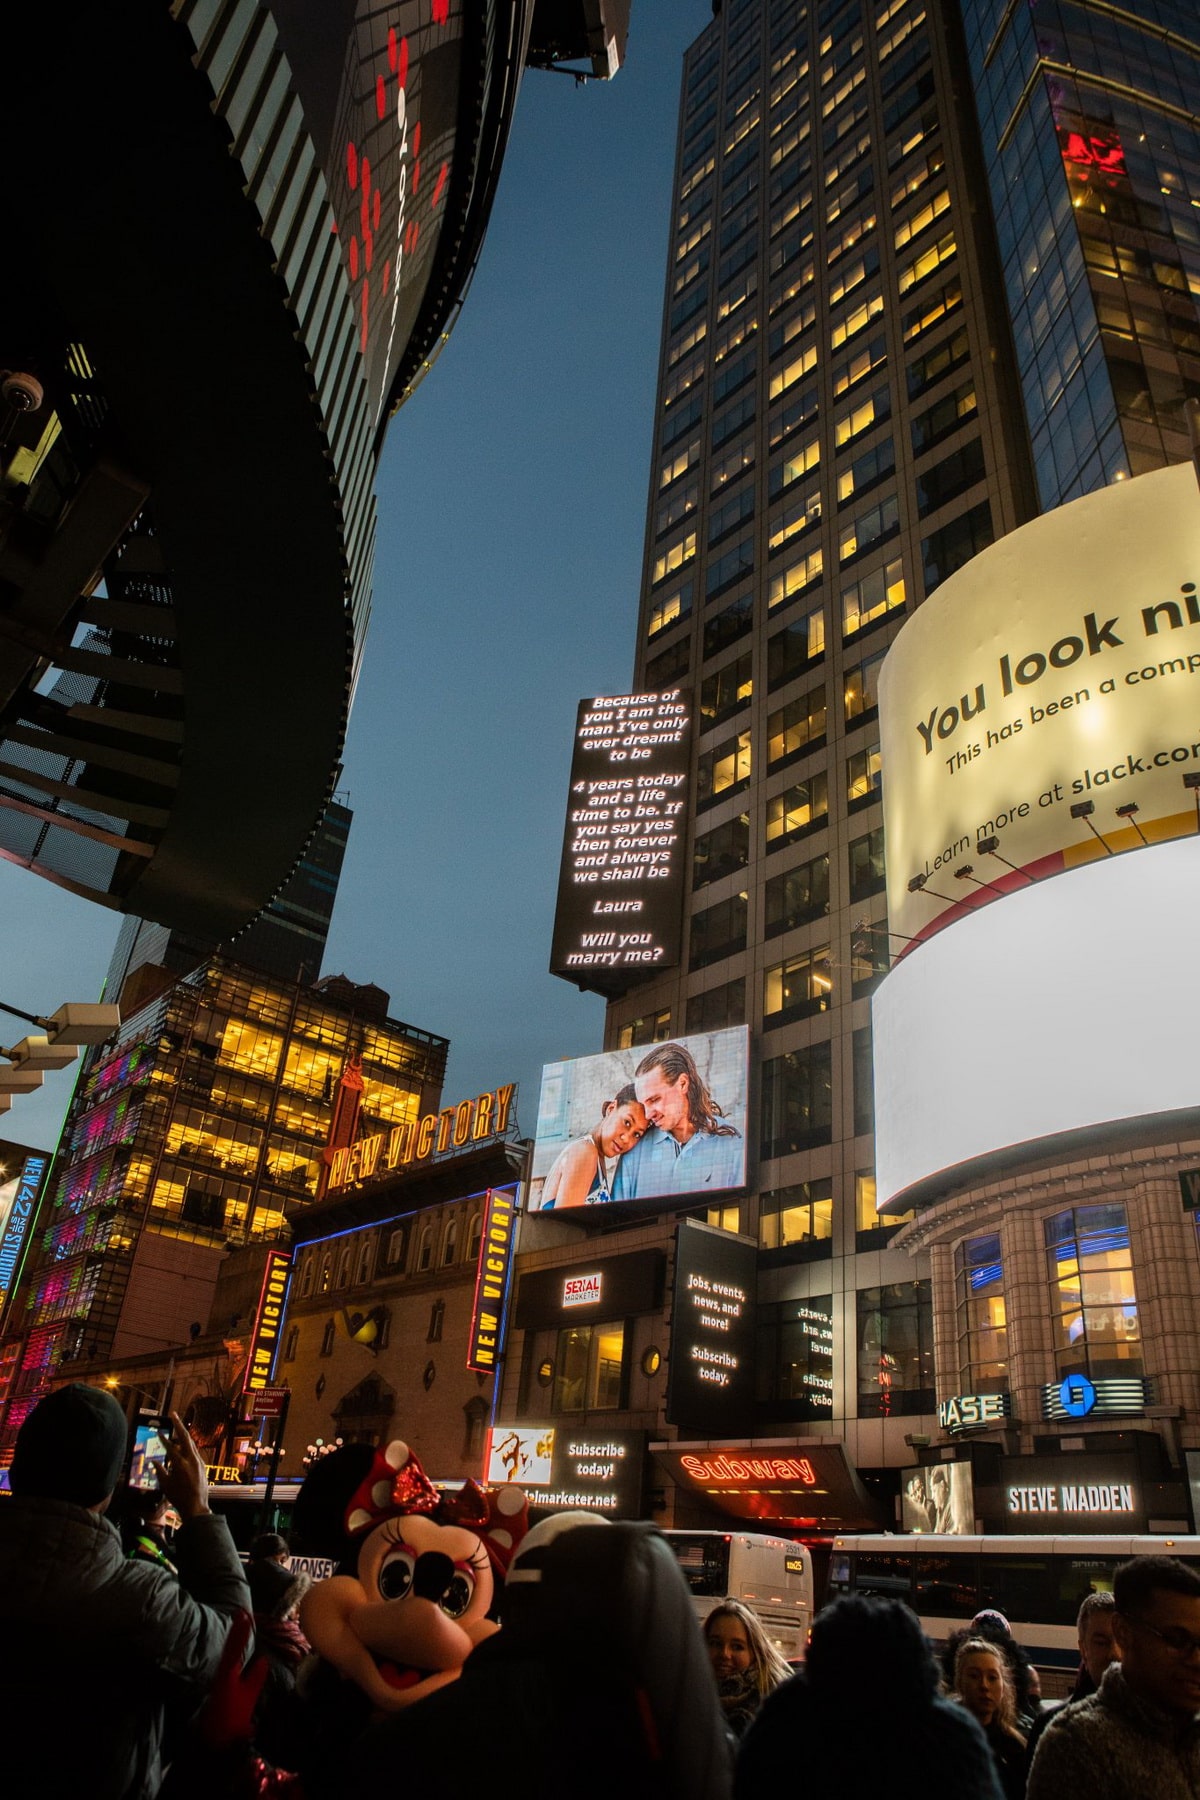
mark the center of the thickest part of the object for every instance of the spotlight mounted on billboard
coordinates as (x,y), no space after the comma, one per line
(658,1122)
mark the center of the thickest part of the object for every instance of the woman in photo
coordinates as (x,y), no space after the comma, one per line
(582,1173)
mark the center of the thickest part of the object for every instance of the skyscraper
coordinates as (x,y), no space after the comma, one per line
(931,268)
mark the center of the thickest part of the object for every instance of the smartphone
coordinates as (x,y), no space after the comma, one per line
(149,1447)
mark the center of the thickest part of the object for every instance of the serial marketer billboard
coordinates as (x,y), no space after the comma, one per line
(655,1122)
(619,916)
(1060,668)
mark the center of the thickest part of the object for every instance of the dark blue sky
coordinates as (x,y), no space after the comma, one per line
(512,498)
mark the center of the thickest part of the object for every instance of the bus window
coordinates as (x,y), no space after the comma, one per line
(1017,1586)
(888,1577)
(1075,1577)
(704,1561)
(839,1574)
(947,1586)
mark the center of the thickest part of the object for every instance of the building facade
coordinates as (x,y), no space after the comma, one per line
(201,1129)
(892,334)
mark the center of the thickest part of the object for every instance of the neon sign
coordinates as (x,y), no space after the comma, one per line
(454,1128)
(267,1320)
(739,1470)
(19,1219)
(583,1290)
(495,1255)
(1101,151)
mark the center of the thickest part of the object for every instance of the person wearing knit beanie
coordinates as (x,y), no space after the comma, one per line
(71,1447)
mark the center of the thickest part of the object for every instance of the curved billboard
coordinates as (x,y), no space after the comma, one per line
(1069,1007)
(1045,702)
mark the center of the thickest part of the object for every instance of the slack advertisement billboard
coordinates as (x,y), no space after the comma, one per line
(659,1122)
(620,885)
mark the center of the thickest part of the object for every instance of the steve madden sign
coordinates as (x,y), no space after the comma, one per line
(1066,1497)
(967,1412)
(421,1140)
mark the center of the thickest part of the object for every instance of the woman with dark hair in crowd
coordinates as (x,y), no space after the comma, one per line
(864,1718)
(745,1662)
(983,1685)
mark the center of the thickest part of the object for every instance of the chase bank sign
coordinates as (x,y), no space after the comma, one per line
(969,1412)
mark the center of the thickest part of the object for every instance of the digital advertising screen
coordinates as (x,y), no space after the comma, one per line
(938,1498)
(1008,1033)
(654,1122)
(710,1376)
(379,87)
(561,1467)
(619,915)
(1043,702)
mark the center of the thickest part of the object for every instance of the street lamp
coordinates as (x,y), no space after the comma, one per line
(55,1044)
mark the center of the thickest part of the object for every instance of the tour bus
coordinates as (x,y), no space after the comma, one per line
(770,1575)
(1038,1583)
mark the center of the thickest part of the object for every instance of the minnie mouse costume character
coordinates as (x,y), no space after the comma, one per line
(418,1570)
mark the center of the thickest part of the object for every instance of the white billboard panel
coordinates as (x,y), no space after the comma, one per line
(1060,667)
(1072,1004)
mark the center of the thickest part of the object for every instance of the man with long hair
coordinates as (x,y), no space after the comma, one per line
(690,1146)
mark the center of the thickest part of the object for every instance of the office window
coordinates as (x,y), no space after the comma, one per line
(872,597)
(797,1101)
(864,775)
(870,955)
(794,1363)
(912,227)
(798,810)
(654,1028)
(797,515)
(928,260)
(731,513)
(437,1318)
(792,372)
(981,1321)
(723,851)
(796,728)
(944,417)
(718,1007)
(1093,1298)
(895,1350)
(795,648)
(729,567)
(732,461)
(793,467)
(664,670)
(796,897)
(925,370)
(953,476)
(870,527)
(932,309)
(800,1216)
(867,413)
(955,543)
(718,931)
(802,573)
(724,770)
(860,689)
(867,872)
(798,988)
(726,692)
(673,557)
(864,1082)
(679,462)
(866,358)
(874,465)
(857,319)
(680,501)
(589,1366)
(732,622)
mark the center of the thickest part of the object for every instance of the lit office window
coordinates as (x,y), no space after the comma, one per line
(1093,1298)
(980,1318)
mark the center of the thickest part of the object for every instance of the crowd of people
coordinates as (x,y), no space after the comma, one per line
(150,1663)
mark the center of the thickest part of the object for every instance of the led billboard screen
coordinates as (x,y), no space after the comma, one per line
(379,87)
(710,1378)
(655,1122)
(1059,669)
(939,1498)
(620,887)
(561,1467)
(1070,1004)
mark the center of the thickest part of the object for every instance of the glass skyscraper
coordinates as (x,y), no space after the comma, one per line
(931,269)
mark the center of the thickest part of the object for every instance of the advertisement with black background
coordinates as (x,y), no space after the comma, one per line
(563,1468)
(620,885)
(710,1386)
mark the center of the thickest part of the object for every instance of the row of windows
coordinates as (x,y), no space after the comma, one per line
(359,1259)
(795,727)
(795,731)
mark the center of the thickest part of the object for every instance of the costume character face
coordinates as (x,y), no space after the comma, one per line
(416,1605)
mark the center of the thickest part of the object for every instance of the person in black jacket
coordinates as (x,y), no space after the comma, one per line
(94,1647)
(864,1718)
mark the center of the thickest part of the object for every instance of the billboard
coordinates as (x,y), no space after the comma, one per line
(562,1467)
(1071,1005)
(1058,671)
(655,1122)
(379,87)
(491,1279)
(22,1172)
(619,915)
(710,1377)
(939,1498)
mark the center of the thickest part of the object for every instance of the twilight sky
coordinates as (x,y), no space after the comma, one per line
(512,498)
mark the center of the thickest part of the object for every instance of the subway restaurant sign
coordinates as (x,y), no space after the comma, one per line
(423,1140)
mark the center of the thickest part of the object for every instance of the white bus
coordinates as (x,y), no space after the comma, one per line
(1038,1583)
(770,1575)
